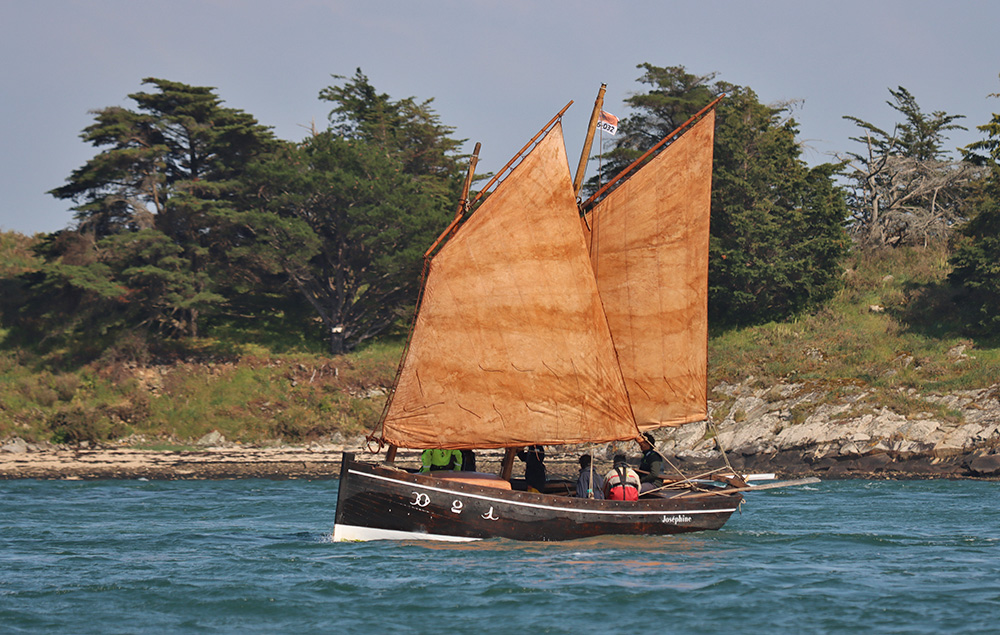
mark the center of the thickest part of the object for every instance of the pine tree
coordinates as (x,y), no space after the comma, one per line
(151,201)
(976,249)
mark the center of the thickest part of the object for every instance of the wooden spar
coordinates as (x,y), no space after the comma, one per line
(447,232)
(517,156)
(463,203)
(507,467)
(729,490)
(656,147)
(581,169)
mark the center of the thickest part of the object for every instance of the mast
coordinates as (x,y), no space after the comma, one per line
(463,203)
(581,169)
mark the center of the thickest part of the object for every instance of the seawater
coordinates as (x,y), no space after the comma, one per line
(255,556)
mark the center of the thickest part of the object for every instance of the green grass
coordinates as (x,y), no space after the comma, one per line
(892,329)
(252,399)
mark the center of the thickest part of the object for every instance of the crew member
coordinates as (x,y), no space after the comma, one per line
(651,464)
(588,484)
(434,460)
(534,468)
(621,483)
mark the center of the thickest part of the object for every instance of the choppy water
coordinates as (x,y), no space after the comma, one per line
(254,557)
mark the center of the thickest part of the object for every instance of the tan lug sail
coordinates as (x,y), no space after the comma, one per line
(511,346)
(649,247)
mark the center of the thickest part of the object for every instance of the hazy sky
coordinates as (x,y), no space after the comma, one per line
(497,70)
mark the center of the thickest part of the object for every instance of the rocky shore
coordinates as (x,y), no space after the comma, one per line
(791,430)
(795,429)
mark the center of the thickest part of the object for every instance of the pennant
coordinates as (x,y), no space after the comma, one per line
(608,123)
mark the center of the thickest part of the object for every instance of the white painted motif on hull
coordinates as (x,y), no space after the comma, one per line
(489,515)
(420,499)
(456,506)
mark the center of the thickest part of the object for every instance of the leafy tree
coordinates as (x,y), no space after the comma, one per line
(411,131)
(903,190)
(346,214)
(976,249)
(71,294)
(777,235)
(151,200)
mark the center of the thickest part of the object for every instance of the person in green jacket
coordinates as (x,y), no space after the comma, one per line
(434,460)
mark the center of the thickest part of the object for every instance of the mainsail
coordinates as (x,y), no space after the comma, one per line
(649,248)
(511,345)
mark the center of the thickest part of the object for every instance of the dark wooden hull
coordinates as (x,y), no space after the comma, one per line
(377,502)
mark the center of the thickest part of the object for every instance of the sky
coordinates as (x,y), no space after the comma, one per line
(496,70)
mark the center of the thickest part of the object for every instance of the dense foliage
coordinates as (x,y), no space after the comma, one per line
(345,215)
(145,252)
(778,239)
(976,250)
(189,207)
(192,216)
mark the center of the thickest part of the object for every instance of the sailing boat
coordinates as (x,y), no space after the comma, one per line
(546,322)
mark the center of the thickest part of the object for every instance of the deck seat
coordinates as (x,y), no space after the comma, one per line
(481,479)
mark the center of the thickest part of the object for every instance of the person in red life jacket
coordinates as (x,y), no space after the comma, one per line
(621,483)
(433,460)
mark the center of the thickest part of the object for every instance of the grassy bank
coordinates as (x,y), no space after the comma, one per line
(893,330)
(247,397)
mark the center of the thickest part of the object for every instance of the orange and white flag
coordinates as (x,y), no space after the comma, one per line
(608,123)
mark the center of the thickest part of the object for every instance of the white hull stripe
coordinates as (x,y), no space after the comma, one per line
(599,512)
(343,533)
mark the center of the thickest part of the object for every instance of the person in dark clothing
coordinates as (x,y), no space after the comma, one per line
(534,469)
(589,484)
(468,461)
(651,465)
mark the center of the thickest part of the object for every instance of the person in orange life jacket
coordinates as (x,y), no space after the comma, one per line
(651,465)
(621,483)
(434,460)
(534,469)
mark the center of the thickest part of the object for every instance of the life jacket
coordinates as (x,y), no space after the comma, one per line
(622,484)
(441,460)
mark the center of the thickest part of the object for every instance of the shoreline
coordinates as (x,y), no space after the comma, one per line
(319,462)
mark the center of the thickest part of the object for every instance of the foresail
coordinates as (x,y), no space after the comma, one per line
(511,346)
(649,248)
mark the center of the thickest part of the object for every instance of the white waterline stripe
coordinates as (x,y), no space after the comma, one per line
(539,506)
(346,533)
